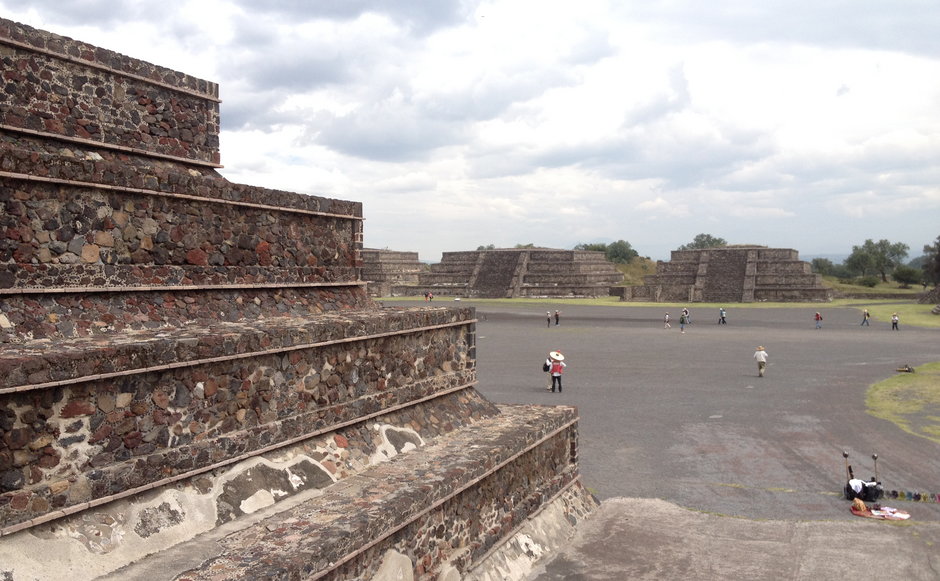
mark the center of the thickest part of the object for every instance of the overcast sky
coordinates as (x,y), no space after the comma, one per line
(796,124)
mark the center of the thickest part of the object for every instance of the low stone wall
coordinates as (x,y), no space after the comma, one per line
(106,537)
(475,506)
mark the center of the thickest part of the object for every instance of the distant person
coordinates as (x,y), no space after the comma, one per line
(548,318)
(865,317)
(722,316)
(666,324)
(688,315)
(761,357)
(818,319)
(683,319)
(894,321)
(556,366)
(557,317)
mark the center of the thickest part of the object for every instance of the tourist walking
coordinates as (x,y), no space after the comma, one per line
(548,318)
(683,319)
(688,315)
(666,324)
(761,357)
(721,316)
(557,317)
(894,322)
(865,317)
(556,366)
(818,319)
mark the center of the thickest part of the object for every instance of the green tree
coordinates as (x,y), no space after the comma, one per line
(907,275)
(822,266)
(529,245)
(702,241)
(620,252)
(932,262)
(594,246)
(879,257)
(487,247)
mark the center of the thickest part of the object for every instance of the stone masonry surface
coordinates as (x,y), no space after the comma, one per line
(180,354)
(464,523)
(59,86)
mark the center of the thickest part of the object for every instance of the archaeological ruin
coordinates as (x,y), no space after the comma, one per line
(385,270)
(516,272)
(732,274)
(193,378)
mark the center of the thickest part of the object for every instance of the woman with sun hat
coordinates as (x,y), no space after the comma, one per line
(556,366)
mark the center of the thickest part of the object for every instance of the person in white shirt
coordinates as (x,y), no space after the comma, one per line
(761,357)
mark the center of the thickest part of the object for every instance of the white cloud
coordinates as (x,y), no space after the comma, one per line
(460,123)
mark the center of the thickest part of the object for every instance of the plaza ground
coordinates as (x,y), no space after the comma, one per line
(678,435)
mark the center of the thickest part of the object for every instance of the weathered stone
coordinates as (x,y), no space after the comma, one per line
(76,408)
(91,253)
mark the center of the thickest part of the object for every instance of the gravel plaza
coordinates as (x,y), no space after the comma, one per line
(678,433)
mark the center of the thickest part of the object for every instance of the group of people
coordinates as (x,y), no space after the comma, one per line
(685,318)
(866,320)
(548,317)
(555,364)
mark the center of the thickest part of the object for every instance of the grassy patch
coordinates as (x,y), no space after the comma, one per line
(882,288)
(911,401)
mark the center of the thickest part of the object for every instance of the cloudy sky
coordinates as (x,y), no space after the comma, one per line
(458,123)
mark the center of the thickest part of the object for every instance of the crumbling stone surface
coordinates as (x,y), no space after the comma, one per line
(482,484)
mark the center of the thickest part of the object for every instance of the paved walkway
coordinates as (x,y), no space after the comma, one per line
(684,418)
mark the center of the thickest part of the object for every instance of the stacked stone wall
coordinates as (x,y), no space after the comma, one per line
(178,352)
(386,269)
(61,87)
(732,274)
(536,272)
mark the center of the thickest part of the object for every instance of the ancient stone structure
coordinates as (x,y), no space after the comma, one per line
(518,272)
(734,274)
(187,362)
(386,269)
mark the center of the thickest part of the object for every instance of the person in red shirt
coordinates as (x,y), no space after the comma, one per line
(556,363)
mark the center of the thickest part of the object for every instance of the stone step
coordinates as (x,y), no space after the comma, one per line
(524,452)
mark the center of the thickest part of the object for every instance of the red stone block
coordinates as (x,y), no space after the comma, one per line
(76,408)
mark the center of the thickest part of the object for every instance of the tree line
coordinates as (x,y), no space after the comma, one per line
(868,263)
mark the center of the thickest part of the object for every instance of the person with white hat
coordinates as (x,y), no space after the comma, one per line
(556,366)
(761,356)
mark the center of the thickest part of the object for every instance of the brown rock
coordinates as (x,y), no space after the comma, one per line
(76,408)
(161,399)
(197,257)
(106,403)
(91,253)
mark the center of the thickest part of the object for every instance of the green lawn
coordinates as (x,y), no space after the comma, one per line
(909,400)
